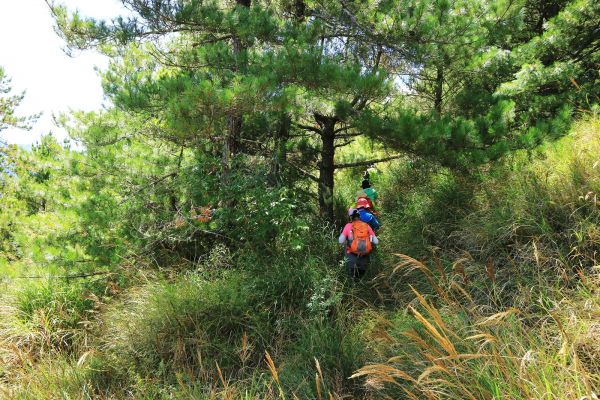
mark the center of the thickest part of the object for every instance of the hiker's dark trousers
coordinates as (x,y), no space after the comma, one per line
(357,265)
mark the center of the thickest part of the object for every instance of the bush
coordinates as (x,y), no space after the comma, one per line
(181,330)
(186,326)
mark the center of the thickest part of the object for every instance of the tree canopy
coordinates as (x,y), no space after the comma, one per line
(460,83)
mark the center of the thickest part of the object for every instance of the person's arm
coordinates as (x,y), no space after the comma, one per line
(346,234)
(372,236)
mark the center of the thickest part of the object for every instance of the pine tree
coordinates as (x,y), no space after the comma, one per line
(558,69)
(208,69)
(459,62)
(292,82)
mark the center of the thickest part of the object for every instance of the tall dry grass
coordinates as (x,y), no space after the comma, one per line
(462,350)
(516,315)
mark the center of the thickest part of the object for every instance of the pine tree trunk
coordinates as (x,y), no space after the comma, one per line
(230,147)
(234,120)
(327,169)
(299,10)
(439,89)
(279,157)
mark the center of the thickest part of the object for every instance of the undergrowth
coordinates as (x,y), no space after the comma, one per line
(484,287)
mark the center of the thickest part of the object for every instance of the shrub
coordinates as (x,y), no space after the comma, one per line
(185,326)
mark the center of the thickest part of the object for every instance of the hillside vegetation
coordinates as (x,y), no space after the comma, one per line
(182,243)
(486,288)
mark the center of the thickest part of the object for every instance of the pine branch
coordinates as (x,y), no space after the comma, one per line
(369,162)
(303,172)
(302,135)
(347,135)
(347,142)
(308,128)
(143,187)
(344,128)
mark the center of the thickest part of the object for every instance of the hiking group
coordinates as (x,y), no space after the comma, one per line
(358,235)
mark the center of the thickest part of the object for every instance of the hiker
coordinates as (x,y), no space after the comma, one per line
(368,193)
(366,215)
(358,238)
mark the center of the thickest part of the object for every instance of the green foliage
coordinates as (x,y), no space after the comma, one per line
(427,203)
(178,331)
(8,106)
(202,73)
(560,65)
(330,343)
(456,142)
(512,317)
(37,189)
(530,221)
(171,327)
(494,354)
(547,205)
(179,255)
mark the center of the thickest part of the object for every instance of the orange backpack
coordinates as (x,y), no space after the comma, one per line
(361,243)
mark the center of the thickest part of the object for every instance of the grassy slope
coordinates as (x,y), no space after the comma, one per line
(513,308)
(506,308)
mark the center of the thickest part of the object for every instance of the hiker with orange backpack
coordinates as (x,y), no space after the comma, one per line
(358,238)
